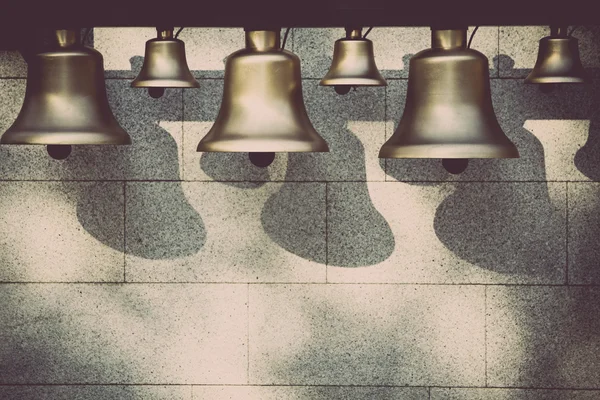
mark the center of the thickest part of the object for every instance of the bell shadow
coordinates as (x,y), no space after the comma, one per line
(511,227)
(353,222)
(159,221)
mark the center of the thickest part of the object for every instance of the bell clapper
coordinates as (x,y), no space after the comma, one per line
(261,159)
(342,89)
(455,165)
(59,151)
(156,92)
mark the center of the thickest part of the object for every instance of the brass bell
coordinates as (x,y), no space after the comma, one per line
(165,65)
(558,59)
(65,100)
(448,111)
(353,64)
(262,109)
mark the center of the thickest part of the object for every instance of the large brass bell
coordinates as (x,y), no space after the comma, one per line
(353,64)
(448,111)
(65,100)
(165,65)
(558,59)
(262,109)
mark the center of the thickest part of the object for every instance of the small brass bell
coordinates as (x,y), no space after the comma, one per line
(262,109)
(558,59)
(448,111)
(353,64)
(165,65)
(65,101)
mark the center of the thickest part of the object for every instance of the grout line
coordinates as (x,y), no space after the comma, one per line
(291,181)
(326,232)
(593,286)
(485,313)
(567,233)
(540,388)
(429,392)
(191,392)
(182,136)
(385,122)
(248,333)
(124,231)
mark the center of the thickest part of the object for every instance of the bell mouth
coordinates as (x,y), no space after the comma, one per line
(263,146)
(65,138)
(554,79)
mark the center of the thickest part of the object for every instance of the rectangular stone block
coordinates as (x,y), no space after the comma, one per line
(543,337)
(352,125)
(446,233)
(307,393)
(214,232)
(511,394)
(123,334)
(393,48)
(519,49)
(366,335)
(553,132)
(66,232)
(584,231)
(154,126)
(83,392)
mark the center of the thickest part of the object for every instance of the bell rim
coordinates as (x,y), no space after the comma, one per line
(164,83)
(235,146)
(353,82)
(555,79)
(23,137)
(453,151)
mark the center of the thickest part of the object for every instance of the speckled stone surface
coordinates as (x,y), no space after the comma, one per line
(212,232)
(584,231)
(393,48)
(400,233)
(154,126)
(543,337)
(519,49)
(352,125)
(12,65)
(122,50)
(366,335)
(556,134)
(512,394)
(83,392)
(164,334)
(207,49)
(61,232)
(307,393)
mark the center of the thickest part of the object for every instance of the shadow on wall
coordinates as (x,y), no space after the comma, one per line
(508,227)
(159,224)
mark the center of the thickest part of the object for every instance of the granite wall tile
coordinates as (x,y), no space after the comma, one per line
(88,392)
(65,232)
(584,230)
(446,233)
(543,337)
(556,134)
(154,126)
(519,49)
(366,335)
(211,232)
(307,393)
(117,334)
(352,125)
(511,394)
